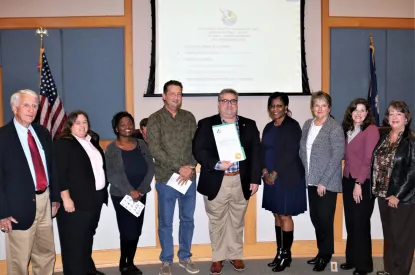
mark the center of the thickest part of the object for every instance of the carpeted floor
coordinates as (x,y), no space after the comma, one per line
(253,267)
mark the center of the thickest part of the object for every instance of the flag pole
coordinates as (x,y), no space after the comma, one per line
(41,32)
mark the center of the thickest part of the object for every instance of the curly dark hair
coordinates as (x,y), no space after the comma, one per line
(283,97)
(116,120)
(70,121)
(348,124)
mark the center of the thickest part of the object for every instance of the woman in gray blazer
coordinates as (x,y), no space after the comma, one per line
(130,171)
(322,150)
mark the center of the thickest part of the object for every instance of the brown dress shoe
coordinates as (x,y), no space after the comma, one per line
(238,265)
(216,268)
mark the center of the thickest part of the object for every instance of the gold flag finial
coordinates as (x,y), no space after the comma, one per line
(41,32)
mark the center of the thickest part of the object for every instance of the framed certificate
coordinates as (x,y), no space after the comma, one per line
(228,143)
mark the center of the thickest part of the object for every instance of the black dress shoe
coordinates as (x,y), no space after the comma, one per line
(314,260)
(125,271)
(320,265)
(346,266)
(135,270)
(359,273)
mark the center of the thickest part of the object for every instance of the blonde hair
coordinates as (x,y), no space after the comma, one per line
(322,96)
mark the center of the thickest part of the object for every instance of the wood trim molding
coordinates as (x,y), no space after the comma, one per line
(203,252)
(104,144)
(128,56)
(1,99)
(370,22)
(251,222)
(63,22)
(338,221)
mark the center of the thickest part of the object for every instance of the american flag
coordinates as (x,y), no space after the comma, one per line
(52,114)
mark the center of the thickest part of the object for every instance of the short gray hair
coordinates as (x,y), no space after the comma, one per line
(227,91)
(15,98)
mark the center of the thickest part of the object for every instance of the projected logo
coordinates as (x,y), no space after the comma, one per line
(229,18)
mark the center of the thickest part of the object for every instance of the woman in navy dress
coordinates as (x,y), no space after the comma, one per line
(283,174)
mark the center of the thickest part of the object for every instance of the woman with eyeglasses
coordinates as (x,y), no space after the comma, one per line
(361,136)
(283,174)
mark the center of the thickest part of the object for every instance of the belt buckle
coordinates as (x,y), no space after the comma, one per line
(40,192)
(231,174)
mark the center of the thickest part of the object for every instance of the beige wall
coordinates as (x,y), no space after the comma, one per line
(373,8)
(60,8)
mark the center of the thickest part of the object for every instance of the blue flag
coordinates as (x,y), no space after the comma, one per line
(373,97)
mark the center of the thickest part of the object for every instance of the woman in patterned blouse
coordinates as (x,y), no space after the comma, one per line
(393,182)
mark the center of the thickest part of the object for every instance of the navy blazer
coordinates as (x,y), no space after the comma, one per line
(17,189)
(74,170)
(288,164)
(206,153)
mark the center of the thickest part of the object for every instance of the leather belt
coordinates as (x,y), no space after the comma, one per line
(40,192)
(231,174)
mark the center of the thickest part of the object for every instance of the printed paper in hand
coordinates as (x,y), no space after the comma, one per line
(175,184)
(135,207)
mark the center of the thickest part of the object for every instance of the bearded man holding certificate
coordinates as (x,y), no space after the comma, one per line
(227,184)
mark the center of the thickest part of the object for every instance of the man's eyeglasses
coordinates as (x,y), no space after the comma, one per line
(227,101)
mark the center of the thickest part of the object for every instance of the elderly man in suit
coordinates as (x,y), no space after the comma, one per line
(27,189)
(227,186)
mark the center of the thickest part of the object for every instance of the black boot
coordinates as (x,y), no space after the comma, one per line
(284,262)
(279,240)
(124,248)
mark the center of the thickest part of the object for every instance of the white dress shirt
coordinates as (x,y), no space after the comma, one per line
(96,161)
(22,133)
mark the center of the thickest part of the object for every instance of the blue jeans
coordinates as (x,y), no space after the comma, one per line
(167,197)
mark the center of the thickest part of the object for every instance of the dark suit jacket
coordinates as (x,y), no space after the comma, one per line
(206,153)
(17,189)
(75,173)
(288,165)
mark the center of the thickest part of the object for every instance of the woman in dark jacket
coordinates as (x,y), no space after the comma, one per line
(283,173)
(393,182)
(130,172)
(80,168)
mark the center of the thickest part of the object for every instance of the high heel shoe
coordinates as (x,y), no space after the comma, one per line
(276,260)
(284,262)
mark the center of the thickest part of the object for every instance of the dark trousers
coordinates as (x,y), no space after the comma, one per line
(76,235)
(357,217)
(129,226)
(322,211)
(398,237)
